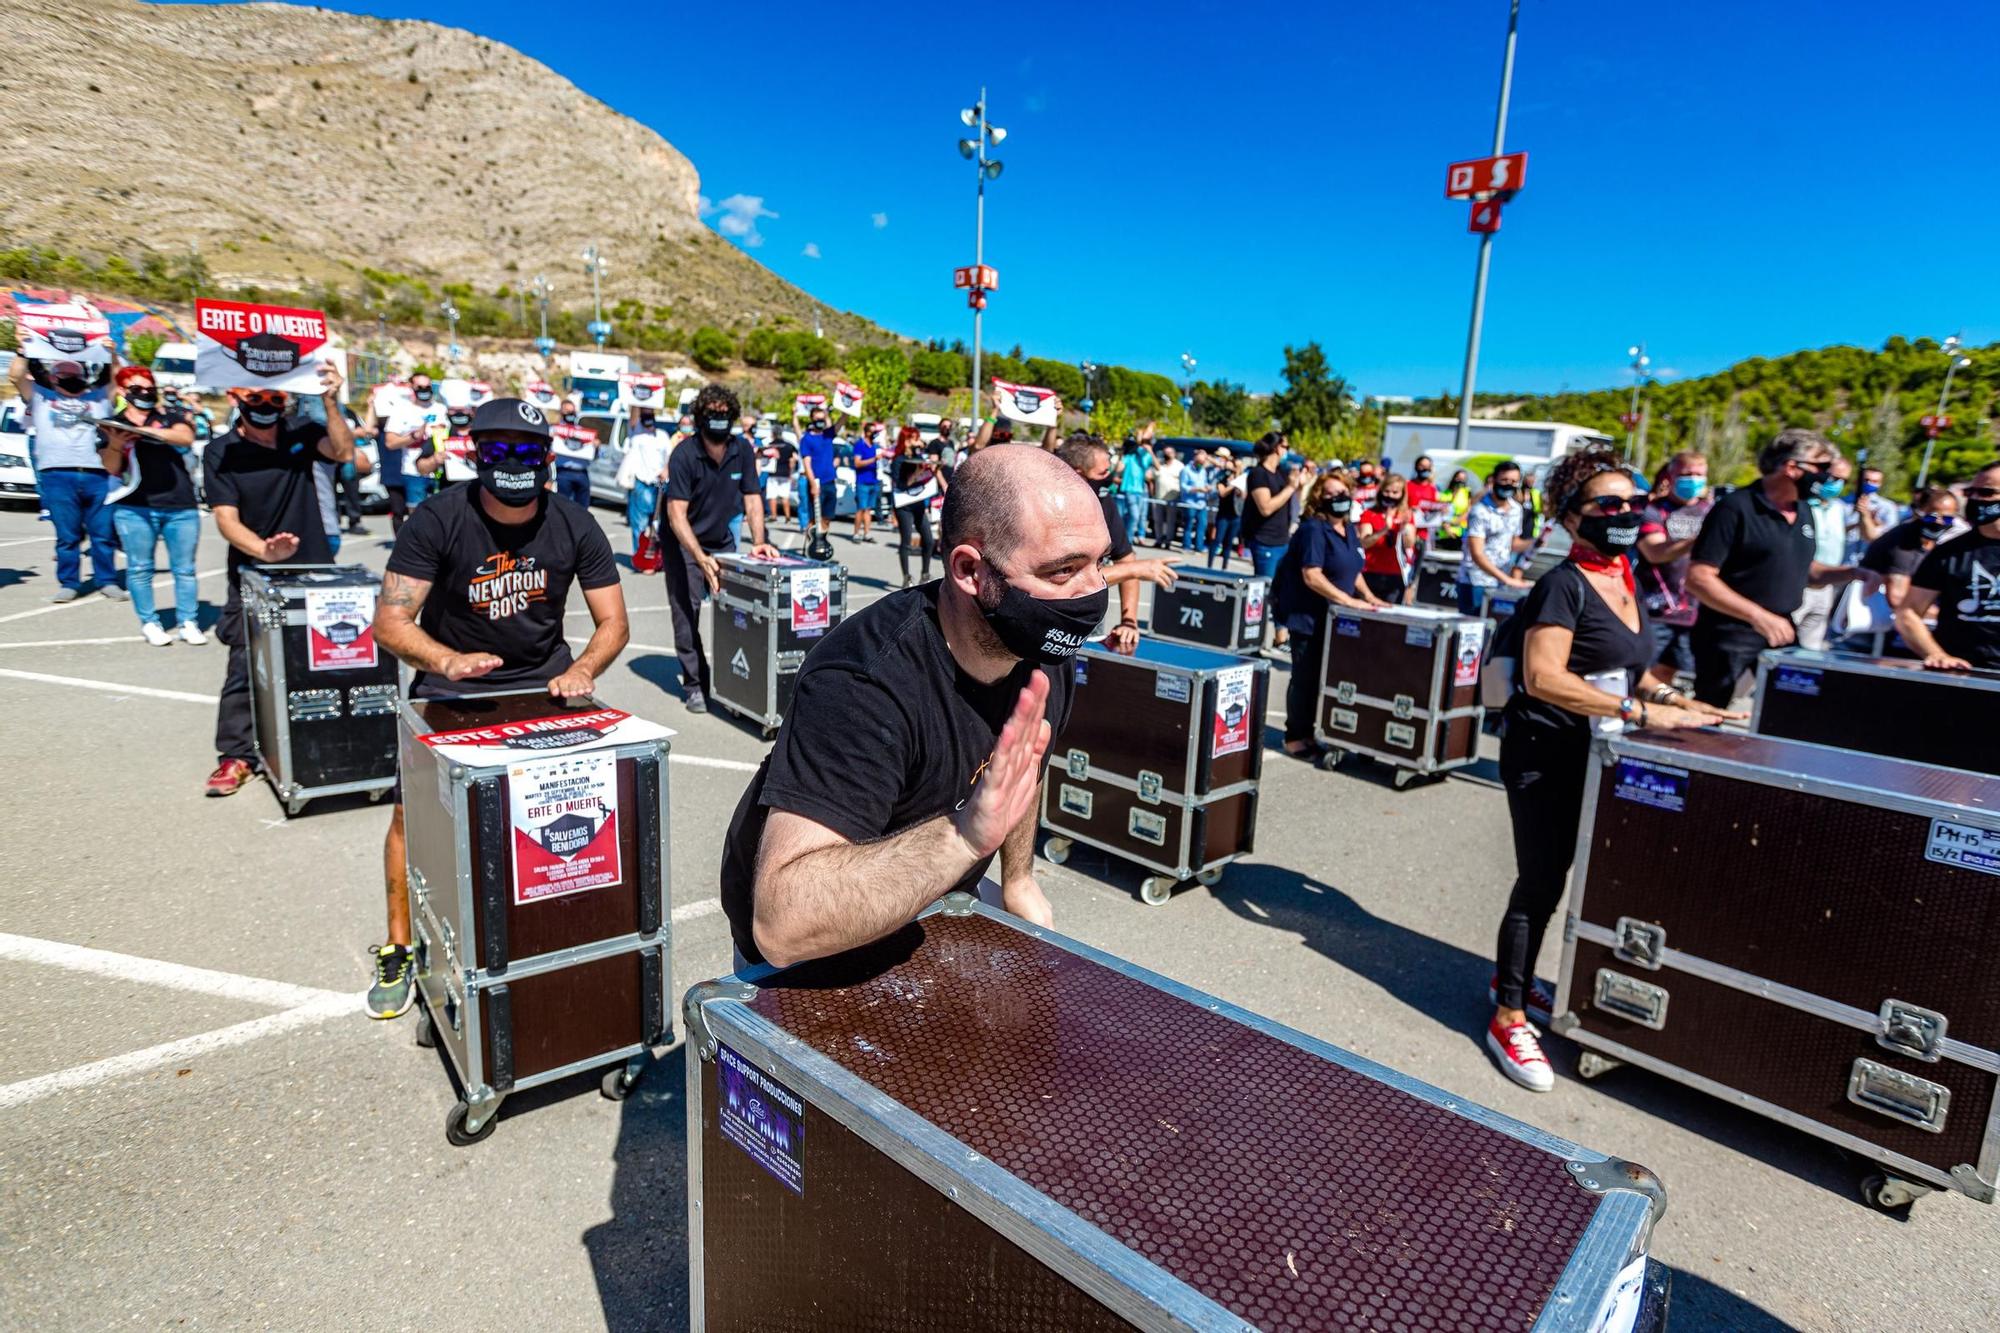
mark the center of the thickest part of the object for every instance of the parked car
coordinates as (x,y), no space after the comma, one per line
(173,366)
(17,475)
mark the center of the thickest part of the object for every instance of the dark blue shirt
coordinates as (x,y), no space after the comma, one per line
(1316,545)
(818,450)
(864,461)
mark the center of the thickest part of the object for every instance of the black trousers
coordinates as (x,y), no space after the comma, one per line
(1302,690)
(235,730)
(1389,587)
(911,521)
(1723,651)
(1543,769)
(347,495)
(399,504)
(686,589)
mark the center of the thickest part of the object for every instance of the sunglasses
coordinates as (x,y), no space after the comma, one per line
(495,452)
(1610,504)
(1982,492)
(262,398)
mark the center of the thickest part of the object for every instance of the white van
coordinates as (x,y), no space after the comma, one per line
(1532,444)
(173,366)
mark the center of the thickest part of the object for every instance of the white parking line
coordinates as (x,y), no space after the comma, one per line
(73,643)
(110,687)
(159,581)
(153,972)
(701,761)
(690,911)
(49,538)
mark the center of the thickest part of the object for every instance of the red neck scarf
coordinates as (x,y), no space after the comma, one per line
(1594,563)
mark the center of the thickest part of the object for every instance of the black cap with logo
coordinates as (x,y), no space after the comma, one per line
(512,414)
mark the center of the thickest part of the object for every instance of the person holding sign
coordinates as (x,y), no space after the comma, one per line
(262,490)
(918,476)
(816,471)
(66,396)
(473,599)
(710,480)
(576,446)
(147,444)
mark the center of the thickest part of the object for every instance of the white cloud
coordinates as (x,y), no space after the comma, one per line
(812,250)
(740,215)
(880,220)
(703,205)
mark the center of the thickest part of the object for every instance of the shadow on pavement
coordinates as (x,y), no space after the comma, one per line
(1699,1303)
(10,578)
(661,669)
(639,1255)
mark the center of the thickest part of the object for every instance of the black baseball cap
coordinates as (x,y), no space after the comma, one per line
(515,414)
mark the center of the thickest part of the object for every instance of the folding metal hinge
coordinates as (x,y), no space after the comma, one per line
(1344,692)
(956,903)
(1149,786)
(694,1011)
(1641,942)
(1910,1029)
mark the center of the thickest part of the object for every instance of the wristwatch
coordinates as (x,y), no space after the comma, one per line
(1628,709)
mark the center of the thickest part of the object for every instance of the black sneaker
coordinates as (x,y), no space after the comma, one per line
(695,703)
(392,992)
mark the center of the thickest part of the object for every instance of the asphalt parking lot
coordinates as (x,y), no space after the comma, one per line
(199,1127)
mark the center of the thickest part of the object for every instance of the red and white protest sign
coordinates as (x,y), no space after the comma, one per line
(806,402)
(541,393)
(477,392)
(1027,404)
(1253,603)
(645,390)
(483,747)
(340,629)
(564,817)
(1471,644)
(1232,710)
(847,398)
(812,607)
(574,441)
(1486,175)
(239,345)
(61,332)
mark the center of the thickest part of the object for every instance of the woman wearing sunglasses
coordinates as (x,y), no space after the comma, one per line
(1961,577)
(1585,648)
(160,507)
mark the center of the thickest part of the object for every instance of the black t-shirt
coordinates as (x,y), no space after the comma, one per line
(1599,642)
(784,460)
(1757,552)
(910,469)
(501,588)
(1270,529)
(164,482)
(1114,523)
(713,491)
(271,488)
(884,733)
(1965,574)
(1898,551)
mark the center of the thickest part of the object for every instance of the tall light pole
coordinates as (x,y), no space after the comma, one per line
(1635,439)
(1486,240)
(974,150)
(1087,405)
(450,313)
(594,264)
(544,344)
(1935,427)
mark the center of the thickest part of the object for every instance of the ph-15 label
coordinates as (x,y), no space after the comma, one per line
(1964,845)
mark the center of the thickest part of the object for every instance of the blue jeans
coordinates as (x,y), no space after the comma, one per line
(1264,559)
(1134,505)
(416,489)
(573,482)
(1194,522)
(1471,600)
(74,498)
(1223,540)
(139,531)
(640,503)
(804,490)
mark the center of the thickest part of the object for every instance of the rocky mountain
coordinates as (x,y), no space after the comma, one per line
(296,146)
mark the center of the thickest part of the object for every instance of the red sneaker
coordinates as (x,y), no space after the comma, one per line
(229,776)
(1519,1052)
(1541,1001)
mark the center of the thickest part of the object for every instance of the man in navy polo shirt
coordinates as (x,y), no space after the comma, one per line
(710,480)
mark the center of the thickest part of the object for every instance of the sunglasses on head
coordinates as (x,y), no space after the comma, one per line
(495,452)
(1609,504)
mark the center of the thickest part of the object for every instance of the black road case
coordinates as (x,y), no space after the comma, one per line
(1807,932)
(1402,685)
(323,693)
(1161,761)
(768,616)
(538,867)
(1212,608)
(1880,705)
(1437,579)
(995,1129)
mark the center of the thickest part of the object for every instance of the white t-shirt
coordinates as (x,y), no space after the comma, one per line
(1167,479)
(66,428)
(646,455)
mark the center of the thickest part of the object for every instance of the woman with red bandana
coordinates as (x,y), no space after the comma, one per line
(1585,648)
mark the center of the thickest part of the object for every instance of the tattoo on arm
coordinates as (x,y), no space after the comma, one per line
(403,592)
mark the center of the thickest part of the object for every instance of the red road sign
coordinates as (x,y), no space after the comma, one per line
(1486,176)
(1935,426)
(1629,420)
(979,277)
(1485,216)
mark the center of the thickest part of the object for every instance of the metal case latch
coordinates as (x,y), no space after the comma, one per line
(1912,1030)
(1628,997)
(1077,763)
(790,661)
(313,705)
(371,700)
(1641,942)
(1344,691)
(1149,786)
(1403,706)
(1900,1096)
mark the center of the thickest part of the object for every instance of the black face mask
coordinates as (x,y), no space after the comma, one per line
(1504,492)
(145,402)
(421,395)
(511,483)
(72,383)
(1340,508)
(1613,534)
(1099,483)
(461,421)
(1981,512)
(569,418)
(1043,630)
(1423,474)
(1388,501)
(716,430)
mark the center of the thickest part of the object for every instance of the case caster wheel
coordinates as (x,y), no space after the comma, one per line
(1209,878)
(455,1121)
(426,1033)
(617,1083)
(1329,759)
(1405,778)
(375,797)
(1890,1193)
(1590,1065)
(292,807)
(769,733)
(1056,850)
(1154,890)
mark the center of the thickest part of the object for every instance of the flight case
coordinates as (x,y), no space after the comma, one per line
(323,694)
(1437,579)
(767,616)
(1807,932)
(538,866)
(983,1125)
(1880,705)
(1212,608)
(1161,761)
(1401,685)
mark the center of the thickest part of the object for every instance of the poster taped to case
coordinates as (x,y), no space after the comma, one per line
(1471,644)
(763,1117)
(340,629)
(482,747)
(1232,710)
(1253,603)
(564,813)
(811,606)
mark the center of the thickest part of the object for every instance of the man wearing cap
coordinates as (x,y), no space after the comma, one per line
(263,491)
(65,401)
(710,480)
(473,600)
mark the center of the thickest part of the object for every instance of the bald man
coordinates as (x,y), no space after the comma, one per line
(912,753)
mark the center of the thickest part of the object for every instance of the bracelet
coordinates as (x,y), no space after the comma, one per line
(1128,623)
(1642,716)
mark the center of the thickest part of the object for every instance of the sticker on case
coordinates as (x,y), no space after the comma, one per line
(564,814)
(1232,710)
(1347,627)
(1796,680)
(1471,641)
(1419,636)
(1964,845)
(1654,785)
(763,1117)
(1171,685)
(1253,603)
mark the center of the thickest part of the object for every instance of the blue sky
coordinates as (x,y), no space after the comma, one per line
(1721,180)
